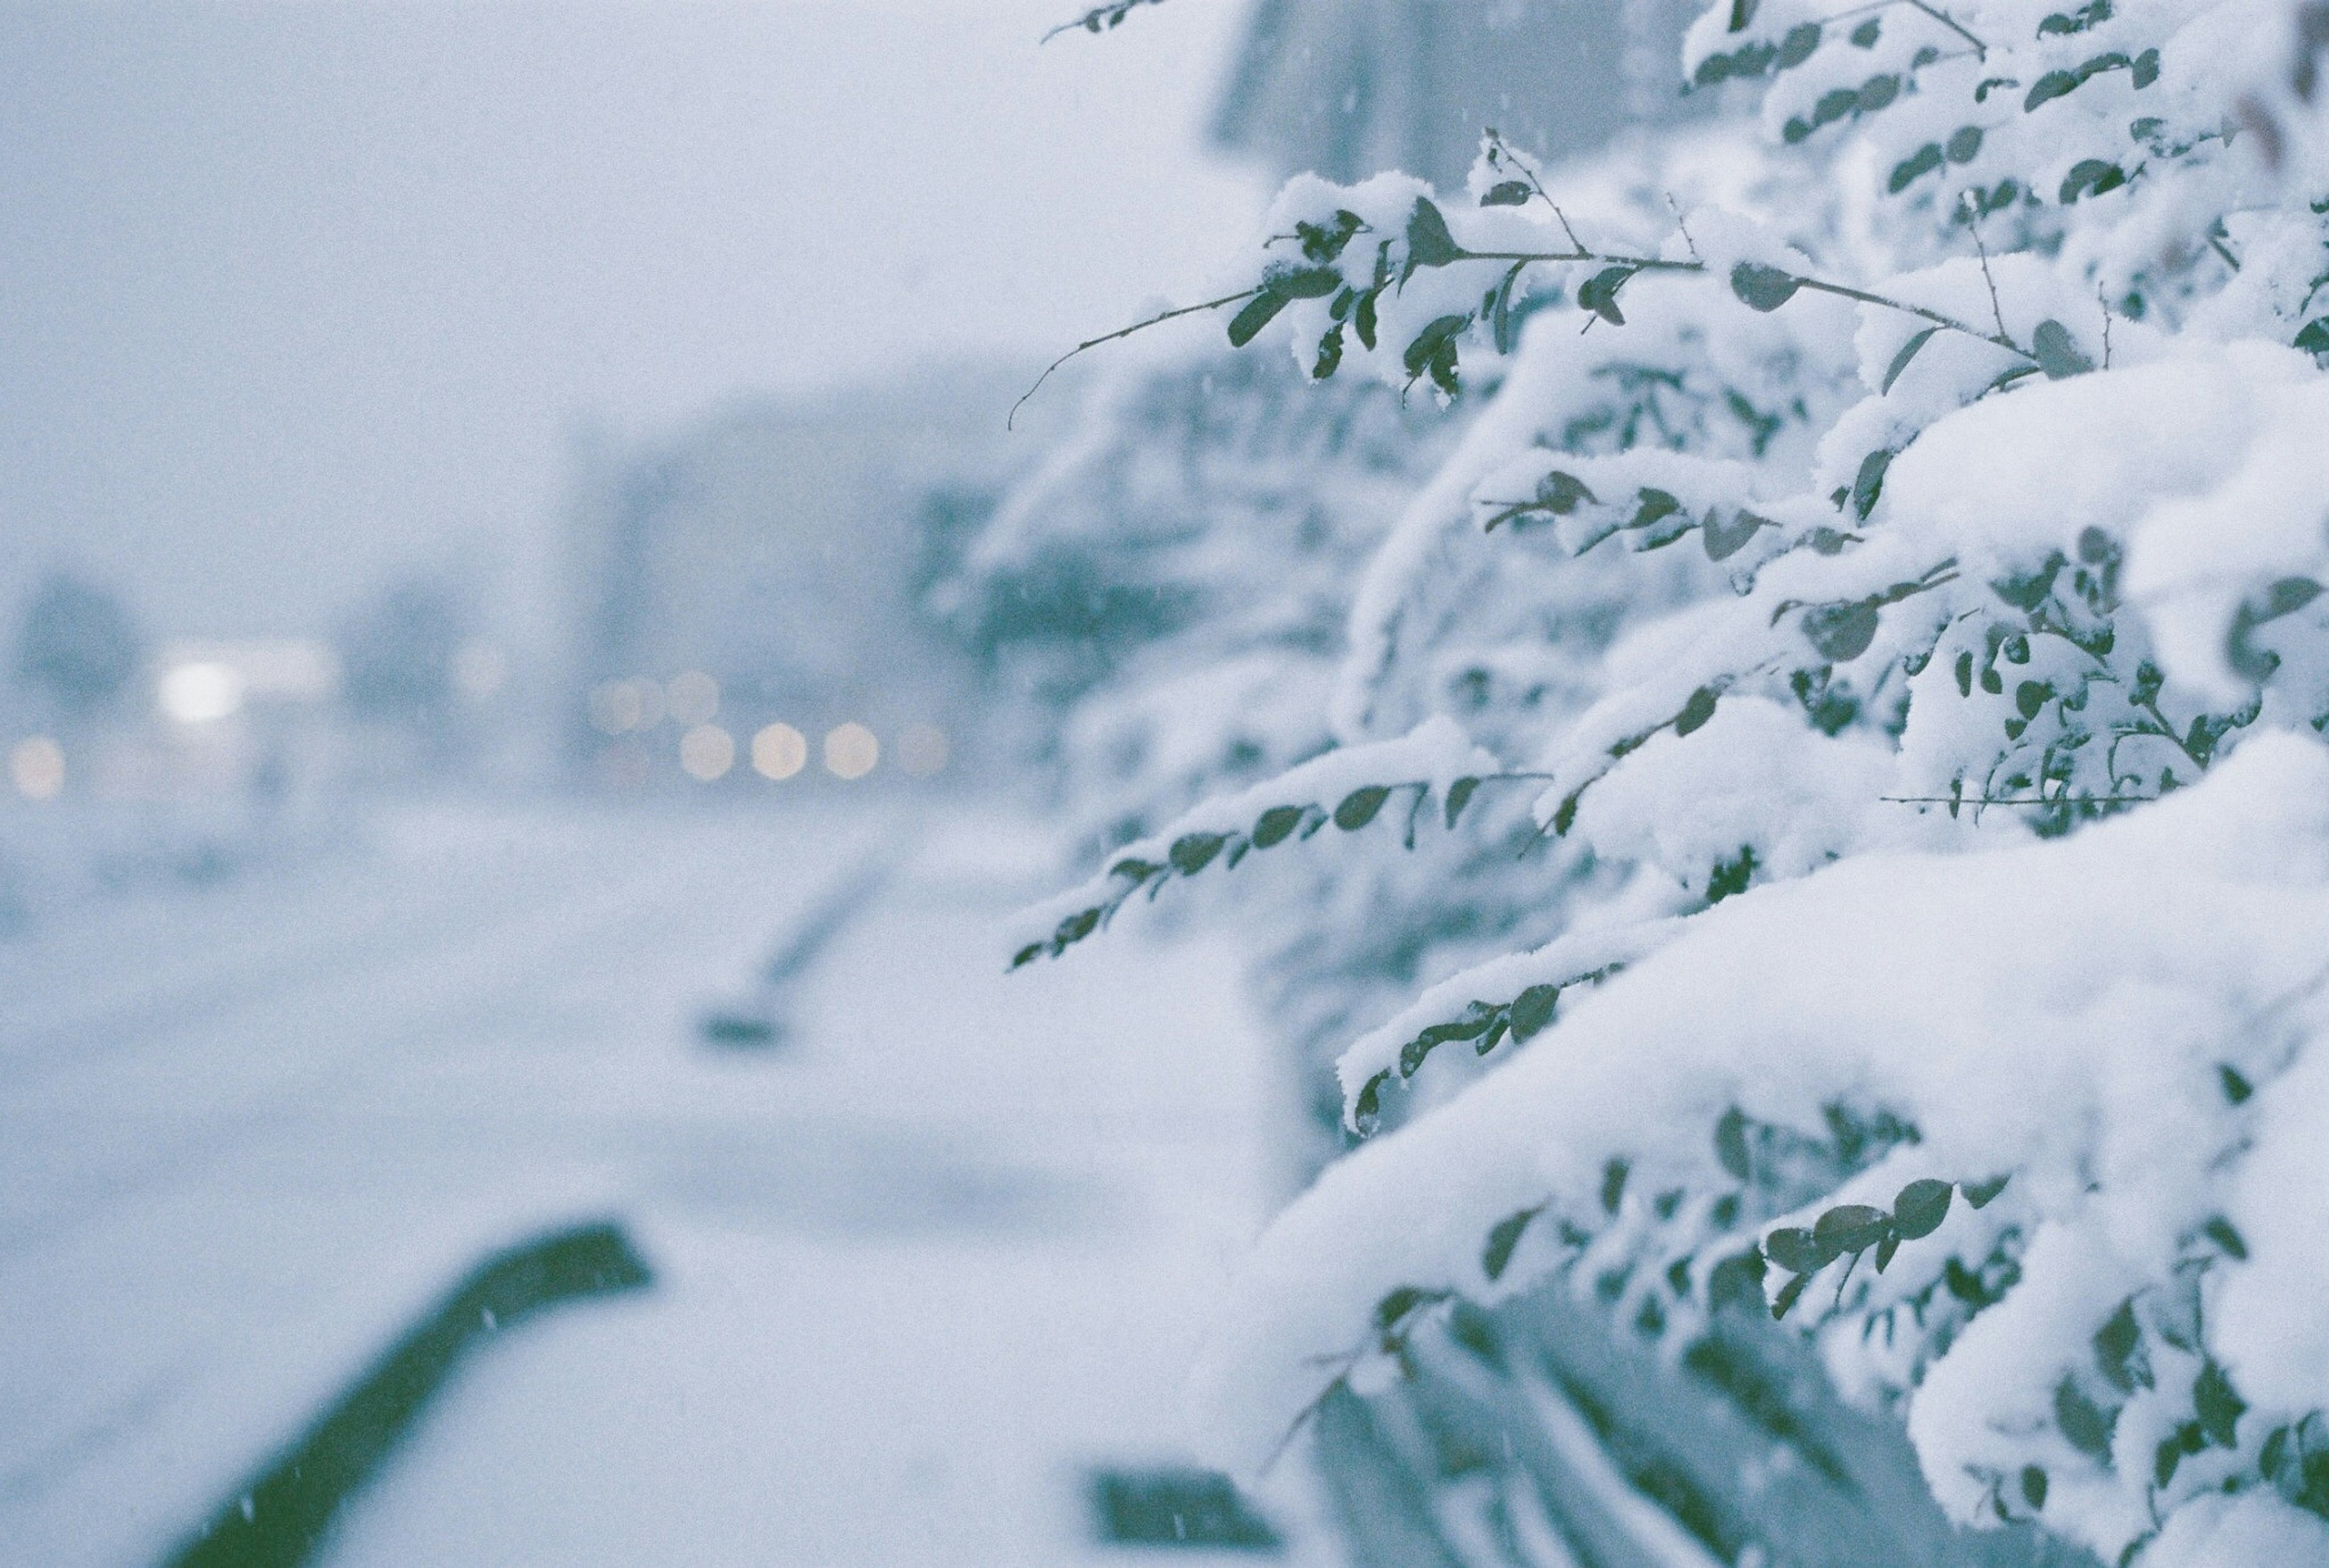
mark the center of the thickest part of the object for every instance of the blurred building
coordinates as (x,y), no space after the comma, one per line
(762,578)
(1352,88)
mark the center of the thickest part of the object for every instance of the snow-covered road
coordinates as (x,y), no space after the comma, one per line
(916,1269)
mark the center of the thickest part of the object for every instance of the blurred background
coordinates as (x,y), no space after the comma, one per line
(533,673)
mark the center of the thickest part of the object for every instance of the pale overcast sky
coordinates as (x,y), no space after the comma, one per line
(293,295)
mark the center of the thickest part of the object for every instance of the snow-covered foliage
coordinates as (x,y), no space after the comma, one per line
(1901,608)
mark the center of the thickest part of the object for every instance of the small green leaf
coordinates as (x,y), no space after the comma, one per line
(1731,1144)
(1980,1193)
(1460,795)
(2236,1088)
(1796,47)
(2030,697)
(2146,69)
(1434,344)
(1330,353)
(2056,354)
(1369,1106)
(1963,145)
(2276,1449)
(1920,1207)
(1905,173)
(1304,282)
(1865,35)
(1599,294)
(1193,852)
(1359,807)
(1789,1293)
(1840,633)
(1613,1185)
(1884,1251)
(1877,92)
(2081,1422)
(1362,319)
(1723,541)
(2047,88)
(2315,337)
(1797,1250)
(2090,177)
(1399,1303)
(1507,193)
(2221,1231)
(1763,288)
(1323,242)
(1869,483)
(1275,826)
(1258,313)
(1852,1227)
(1742,12)
(2218,1406)
(1503,1239)
(1532,1010)
(2115,1343)
(1027,954)
(1696,711)
(1428,243)
(2033,1486)
(1909,351)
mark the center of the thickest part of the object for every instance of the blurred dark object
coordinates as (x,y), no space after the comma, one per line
(398,655)
(1177,1508)
(278,1521)
(757,1021)
(78,646)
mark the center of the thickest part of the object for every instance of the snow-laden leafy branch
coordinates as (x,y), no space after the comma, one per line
(1949,814)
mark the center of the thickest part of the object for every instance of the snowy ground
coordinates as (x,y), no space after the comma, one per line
(917,1270)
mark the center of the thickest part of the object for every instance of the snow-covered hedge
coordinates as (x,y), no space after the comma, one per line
(1902,607)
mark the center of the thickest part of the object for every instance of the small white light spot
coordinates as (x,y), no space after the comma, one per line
(615,706)
(779,751)
(706,751)
(200,693)
(851,751)
(922,749)
(692,697)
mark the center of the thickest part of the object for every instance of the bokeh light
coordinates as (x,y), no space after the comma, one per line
(779,751)
(706,751)
(692,697)
(200,692)
(38,767)
(614,707)
(922,749)
(851,751)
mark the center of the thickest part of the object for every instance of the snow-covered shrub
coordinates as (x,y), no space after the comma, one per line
(1900,610)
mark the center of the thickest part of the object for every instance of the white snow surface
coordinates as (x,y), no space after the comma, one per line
(916,1270)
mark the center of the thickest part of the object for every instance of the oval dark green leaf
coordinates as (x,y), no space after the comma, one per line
(1359,807)
(1919,1209)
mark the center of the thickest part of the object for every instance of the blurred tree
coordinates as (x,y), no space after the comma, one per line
(78,645)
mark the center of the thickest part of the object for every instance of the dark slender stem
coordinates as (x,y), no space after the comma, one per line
(1122,332)
(1980,50)
(1936,317)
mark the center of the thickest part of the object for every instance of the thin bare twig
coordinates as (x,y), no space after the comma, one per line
(1122,332)
(1099,17)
